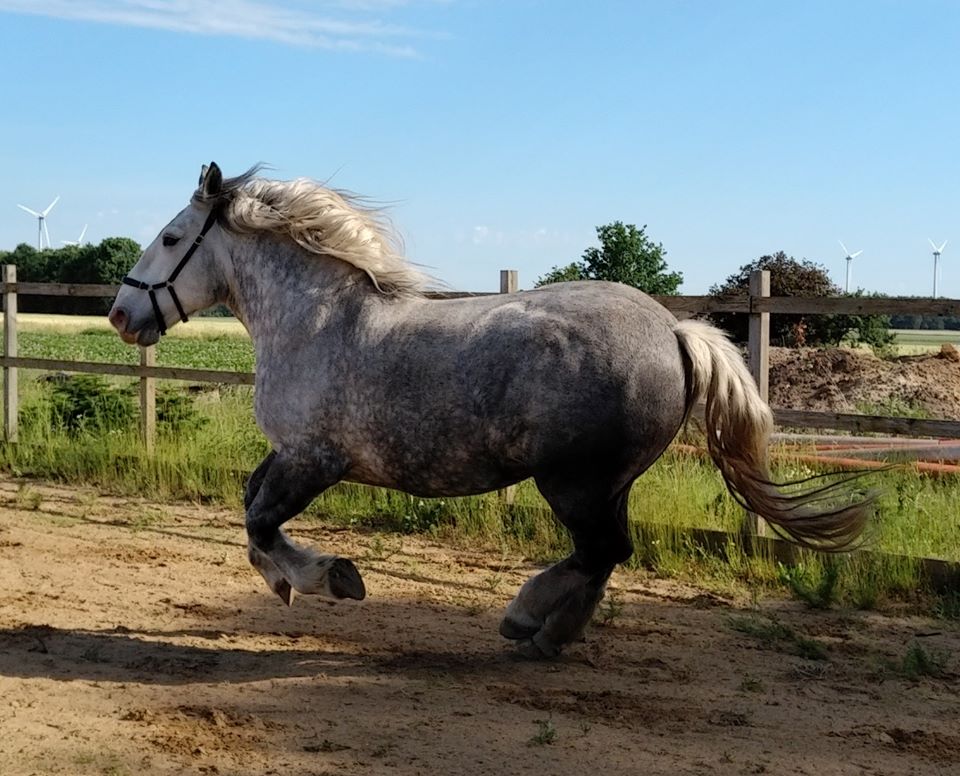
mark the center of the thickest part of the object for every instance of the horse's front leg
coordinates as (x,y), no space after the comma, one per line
(281,487)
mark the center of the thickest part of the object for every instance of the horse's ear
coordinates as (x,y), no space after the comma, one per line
(211,181)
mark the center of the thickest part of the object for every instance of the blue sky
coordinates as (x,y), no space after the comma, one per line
(502,133)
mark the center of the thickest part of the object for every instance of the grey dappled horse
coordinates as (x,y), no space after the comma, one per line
(360,377)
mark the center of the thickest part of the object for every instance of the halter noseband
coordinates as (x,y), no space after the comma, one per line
(152,289)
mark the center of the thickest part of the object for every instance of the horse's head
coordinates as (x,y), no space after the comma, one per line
(176,275)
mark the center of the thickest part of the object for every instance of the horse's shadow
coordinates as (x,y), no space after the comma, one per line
(373,636)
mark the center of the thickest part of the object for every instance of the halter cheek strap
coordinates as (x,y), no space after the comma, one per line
(152,288)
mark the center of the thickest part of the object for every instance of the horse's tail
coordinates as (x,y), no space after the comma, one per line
(738,428)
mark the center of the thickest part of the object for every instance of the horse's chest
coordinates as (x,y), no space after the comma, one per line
(290,405)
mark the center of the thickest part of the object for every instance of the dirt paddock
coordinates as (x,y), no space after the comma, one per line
(135,639)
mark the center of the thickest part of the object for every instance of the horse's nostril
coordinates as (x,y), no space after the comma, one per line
(118,317)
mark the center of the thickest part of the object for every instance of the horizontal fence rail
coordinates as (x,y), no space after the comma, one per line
(696,305)
(880,424)
(131,370)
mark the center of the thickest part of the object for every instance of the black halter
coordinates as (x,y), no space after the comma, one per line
(152,289)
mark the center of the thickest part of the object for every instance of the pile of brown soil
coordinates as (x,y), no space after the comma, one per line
(845,380)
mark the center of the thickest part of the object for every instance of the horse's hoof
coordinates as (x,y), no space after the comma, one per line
(283,589)
(515,629)
(345,580)
(538,649)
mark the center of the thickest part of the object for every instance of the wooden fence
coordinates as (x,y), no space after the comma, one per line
(758,304)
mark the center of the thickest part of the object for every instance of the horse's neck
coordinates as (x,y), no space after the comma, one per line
(276,288)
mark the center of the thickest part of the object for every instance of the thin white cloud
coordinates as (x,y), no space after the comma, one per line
(540,237)
(353,29)
(484,235)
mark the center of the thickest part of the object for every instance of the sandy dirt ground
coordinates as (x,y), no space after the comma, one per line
(135,639)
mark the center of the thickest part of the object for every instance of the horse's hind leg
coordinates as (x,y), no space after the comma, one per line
(255,480)
(553,608)
(281,487)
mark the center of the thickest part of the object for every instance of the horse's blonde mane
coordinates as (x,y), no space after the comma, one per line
(323,221)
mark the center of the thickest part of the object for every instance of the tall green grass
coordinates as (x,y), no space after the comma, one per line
(207,463)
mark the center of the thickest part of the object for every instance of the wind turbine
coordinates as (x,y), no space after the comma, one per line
(936,262)
(41,222)
(79,240)
(850,257)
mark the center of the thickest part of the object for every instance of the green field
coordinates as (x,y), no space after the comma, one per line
(207,453)
(914,341)
(205,343)
(203,328)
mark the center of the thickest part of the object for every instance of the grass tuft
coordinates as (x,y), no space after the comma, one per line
(919,662)
(546,733)
(818,594)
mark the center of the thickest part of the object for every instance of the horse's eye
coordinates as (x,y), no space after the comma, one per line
(169,239)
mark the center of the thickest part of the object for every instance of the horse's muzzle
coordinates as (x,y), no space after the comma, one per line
(120,320)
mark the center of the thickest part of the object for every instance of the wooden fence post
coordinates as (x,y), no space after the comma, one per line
(508,281)
(10,393)
(508,285)
(148,401)
(759,341)
(758,350)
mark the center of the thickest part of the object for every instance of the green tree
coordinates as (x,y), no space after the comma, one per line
(64,263)
(107,262)
(790,277)
(572,271)
(32,265)
(920,321)
(114,258)
(625,255)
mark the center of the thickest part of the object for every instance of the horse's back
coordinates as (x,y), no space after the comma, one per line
(601,310)
(578,329)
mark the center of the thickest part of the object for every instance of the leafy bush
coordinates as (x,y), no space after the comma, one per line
(177,413)
(78,403)
(88,403)
(789,277)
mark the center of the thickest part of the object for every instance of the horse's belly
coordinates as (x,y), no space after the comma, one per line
(423,473)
